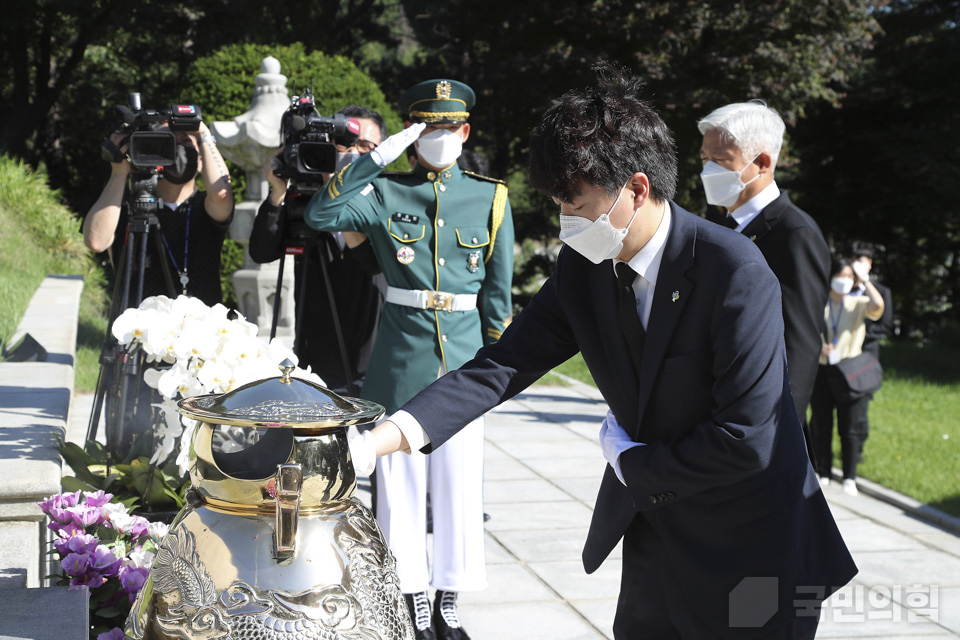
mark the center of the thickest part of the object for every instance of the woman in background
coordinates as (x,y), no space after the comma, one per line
(844,318)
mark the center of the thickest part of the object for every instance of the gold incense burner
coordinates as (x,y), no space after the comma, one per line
(272,544)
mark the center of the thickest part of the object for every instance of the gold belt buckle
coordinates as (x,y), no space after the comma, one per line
(439,300)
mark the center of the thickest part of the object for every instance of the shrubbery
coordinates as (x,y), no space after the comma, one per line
(222,85)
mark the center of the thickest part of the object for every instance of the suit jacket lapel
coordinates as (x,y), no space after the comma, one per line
(670,295)
(767,218)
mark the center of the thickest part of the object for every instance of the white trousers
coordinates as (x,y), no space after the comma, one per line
(454,475)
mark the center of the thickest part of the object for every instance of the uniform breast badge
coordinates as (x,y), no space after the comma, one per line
(405,255)
(473,261)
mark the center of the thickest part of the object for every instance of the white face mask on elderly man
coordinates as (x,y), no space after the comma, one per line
(598,240)
(723,186)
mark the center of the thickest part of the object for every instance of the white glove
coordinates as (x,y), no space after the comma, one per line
(862,270)
(392,148)
(614,441)
(364,453)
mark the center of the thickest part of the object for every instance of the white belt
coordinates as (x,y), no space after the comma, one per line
(432,299)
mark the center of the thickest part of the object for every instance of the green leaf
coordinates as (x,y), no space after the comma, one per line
(107,612)
(71,484)
(80,461)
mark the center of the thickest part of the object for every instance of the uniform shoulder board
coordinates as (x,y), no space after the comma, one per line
(481,177)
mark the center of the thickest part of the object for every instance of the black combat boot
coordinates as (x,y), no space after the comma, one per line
(419,606)
(445,618)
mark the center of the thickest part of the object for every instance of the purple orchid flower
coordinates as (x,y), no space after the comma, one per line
(69,499)
(132,580)
(85,516)
(105,562)
(91,579)
(114,634)
(76,564)
(96,498)
(82,543)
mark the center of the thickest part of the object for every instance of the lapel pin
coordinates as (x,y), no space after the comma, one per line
(675,296)
(753,238)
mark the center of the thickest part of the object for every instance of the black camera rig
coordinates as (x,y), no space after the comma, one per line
(310,141)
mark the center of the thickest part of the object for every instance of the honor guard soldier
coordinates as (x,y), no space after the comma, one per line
(444,238)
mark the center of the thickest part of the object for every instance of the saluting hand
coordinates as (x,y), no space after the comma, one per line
(394,146)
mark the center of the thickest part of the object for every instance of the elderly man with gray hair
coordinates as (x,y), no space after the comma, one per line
(741,145)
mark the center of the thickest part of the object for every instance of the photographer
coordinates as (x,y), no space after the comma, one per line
(357,294)
(193,223)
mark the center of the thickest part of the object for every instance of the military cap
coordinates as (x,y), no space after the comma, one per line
(438,102)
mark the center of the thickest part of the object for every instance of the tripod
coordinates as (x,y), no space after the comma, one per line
(301,242)
(120,368)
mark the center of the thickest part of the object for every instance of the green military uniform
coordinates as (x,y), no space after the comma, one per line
(435,232)
(448,232)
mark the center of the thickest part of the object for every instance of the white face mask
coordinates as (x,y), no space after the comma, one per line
(343,159)
(598,240)
(843,286)
(723,186)
(440,148)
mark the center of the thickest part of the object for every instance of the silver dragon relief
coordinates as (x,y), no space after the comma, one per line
(181,599)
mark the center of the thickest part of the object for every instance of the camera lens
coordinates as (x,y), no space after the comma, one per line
(153,148)
(318,157)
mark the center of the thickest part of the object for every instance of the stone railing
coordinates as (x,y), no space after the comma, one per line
(34,407)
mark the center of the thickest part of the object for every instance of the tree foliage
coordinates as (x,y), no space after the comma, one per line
(886,167)
(64,64)
(867,87)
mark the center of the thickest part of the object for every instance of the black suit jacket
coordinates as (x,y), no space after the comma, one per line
(358,295)
(723,477)
(794,248)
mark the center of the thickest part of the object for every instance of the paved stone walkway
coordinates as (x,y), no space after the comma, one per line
(542,471)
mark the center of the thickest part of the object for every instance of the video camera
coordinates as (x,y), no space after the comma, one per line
(150,149)
(309,141)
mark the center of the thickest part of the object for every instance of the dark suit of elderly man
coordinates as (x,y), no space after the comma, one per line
(726,532)
(741,145)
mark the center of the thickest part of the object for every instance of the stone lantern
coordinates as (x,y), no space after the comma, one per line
(249,140)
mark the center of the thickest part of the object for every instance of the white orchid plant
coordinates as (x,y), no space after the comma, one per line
(195,350)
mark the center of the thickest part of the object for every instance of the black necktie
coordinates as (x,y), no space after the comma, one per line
(629,318)
(730,222)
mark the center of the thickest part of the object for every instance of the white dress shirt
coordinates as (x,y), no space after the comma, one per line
(646,263)
(746,212)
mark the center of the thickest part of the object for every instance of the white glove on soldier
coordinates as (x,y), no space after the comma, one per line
(862,270)
(614,441)
(363,452)
(394,146)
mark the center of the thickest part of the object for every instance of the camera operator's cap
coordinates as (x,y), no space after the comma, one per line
(438,102)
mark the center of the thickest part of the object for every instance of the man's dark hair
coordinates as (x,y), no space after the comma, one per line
(601,136)
(862,249)
(356,111)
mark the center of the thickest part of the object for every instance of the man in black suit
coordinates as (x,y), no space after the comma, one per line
(741,144)
(726,532)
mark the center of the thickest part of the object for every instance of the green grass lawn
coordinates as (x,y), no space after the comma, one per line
(914,444)
(40,236)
